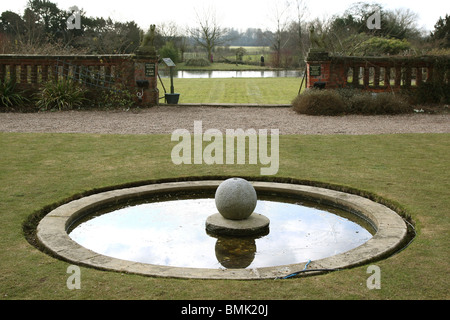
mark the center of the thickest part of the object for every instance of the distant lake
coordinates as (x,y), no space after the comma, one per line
(233,74)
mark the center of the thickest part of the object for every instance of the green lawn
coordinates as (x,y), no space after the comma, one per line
(409,170)
(235,90)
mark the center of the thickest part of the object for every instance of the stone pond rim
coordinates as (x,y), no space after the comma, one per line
(390,236)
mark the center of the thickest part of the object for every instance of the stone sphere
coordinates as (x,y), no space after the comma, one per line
(235,199)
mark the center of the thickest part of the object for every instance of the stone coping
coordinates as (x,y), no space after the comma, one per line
(390,234)
(65,56)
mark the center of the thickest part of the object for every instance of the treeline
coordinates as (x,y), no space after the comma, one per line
(43,29)
(254,37)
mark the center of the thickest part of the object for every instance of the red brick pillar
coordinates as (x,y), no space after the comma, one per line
(145,77)
(318,69)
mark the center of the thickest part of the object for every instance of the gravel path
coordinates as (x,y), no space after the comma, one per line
(165,119)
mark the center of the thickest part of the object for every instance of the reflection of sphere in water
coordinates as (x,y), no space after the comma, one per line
(235,199)
(235,253)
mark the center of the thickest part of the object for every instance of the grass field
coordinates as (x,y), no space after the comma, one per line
(408,170)
(235,90)
(252,55)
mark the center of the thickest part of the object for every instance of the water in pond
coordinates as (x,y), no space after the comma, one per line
(172,233)
(233,74)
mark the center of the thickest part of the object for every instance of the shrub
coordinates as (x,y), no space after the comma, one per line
(387,103)
(169,51)
(432,92)
(9,96)
(376,46)
(319,102)
(117,98)
(198,62)
(349,101)
(365,102)
(60,95)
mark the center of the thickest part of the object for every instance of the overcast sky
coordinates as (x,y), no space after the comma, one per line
(240,14)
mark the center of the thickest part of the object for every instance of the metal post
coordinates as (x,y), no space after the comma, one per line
(172,90)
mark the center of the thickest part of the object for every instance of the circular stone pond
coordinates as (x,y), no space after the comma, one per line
(159,230)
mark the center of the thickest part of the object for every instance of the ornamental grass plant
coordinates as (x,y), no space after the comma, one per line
(9,95)
(60,95)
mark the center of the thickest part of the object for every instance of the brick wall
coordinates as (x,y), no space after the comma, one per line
(376,74)
(99,71)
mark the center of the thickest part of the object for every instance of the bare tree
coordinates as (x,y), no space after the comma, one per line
(169,31)
(302,10)
(281,18)
(401,23)
(208,34)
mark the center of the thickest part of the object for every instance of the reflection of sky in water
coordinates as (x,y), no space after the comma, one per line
(173,233)
(232,74)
